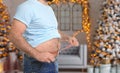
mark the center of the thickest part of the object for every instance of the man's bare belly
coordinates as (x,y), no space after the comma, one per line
(51,46)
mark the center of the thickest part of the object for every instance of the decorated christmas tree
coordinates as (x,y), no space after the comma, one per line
(106,48)
(6,47)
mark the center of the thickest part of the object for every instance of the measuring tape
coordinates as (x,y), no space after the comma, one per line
(74,35)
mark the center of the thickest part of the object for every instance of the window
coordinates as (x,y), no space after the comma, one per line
(69,16)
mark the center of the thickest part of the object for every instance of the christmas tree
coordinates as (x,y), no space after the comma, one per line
(106,48)
(5,45)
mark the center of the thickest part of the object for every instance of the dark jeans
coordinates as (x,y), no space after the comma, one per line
(33,66)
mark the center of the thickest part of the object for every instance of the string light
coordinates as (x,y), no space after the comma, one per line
(5,45)
(0,1)
(73,1)
(105,47)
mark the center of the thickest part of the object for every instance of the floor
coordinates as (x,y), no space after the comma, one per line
(67,72)
(59,72)
(72,72)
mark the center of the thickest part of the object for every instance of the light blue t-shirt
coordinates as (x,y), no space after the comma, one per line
(40,21)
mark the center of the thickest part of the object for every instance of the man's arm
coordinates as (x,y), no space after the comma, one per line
(16,37)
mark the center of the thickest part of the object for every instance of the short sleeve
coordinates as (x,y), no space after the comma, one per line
(24,14)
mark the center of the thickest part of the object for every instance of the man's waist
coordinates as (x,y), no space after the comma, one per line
(36,41)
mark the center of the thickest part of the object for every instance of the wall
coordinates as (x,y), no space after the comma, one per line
(95,6)
(12,4)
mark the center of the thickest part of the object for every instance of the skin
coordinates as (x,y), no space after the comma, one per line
(42,52)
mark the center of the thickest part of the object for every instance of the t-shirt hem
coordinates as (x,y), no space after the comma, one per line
(21,20)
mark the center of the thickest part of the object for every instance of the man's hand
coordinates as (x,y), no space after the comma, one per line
(44,57)
(73,41)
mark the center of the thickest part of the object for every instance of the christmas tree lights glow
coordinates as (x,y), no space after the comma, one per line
(106,49)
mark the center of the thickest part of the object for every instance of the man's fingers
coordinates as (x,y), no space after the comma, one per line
(74,41)
(51,58)
(45,57)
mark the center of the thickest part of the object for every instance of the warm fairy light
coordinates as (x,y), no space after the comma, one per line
(1,1)
(106,45)
(1,67)
(86,21)
(73,1)
(5,45)
(54,1)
